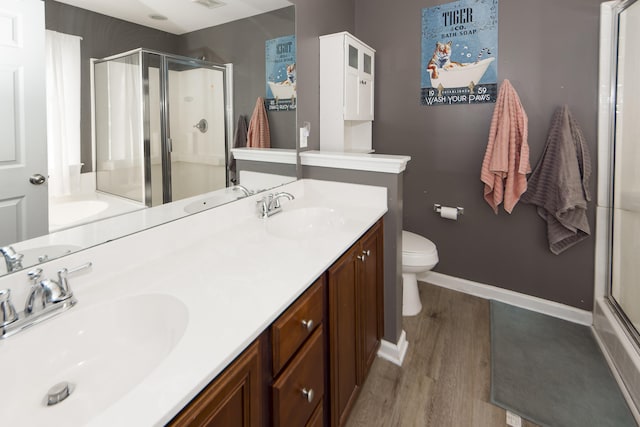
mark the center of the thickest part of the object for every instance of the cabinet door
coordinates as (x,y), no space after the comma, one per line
(351,80)
(343,335)
(365,85)
(231,400)
(370,298)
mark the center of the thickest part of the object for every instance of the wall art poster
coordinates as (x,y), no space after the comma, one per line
(460,53)
(280,61)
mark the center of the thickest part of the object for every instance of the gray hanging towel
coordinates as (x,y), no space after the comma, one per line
(559,185)
(239,140)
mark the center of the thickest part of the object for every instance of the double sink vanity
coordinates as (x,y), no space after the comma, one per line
(267,321)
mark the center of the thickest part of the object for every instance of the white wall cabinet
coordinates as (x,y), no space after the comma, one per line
(347,71)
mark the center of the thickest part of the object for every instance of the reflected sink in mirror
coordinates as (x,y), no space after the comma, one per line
(103,351)
(304,223)
(210,202)
(37,255)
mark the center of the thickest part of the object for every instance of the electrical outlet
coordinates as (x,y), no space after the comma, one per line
(304,134)
(513,420)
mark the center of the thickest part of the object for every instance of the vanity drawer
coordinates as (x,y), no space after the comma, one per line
(296,324)
(317,418)
(300,388)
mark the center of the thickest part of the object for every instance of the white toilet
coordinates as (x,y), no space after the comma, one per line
(419,254)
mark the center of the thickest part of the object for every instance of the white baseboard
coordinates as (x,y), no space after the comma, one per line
(528,302)
(394,353)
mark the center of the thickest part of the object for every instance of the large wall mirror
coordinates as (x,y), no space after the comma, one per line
(126,116)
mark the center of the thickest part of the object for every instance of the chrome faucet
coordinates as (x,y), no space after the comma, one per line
(242,188)
(45,299)
(270,204)
(12,259)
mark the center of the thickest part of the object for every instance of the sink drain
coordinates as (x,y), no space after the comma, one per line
(58,393)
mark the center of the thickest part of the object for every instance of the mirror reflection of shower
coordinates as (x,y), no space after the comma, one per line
(147,148)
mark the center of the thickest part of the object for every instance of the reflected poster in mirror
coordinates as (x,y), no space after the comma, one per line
(281,74)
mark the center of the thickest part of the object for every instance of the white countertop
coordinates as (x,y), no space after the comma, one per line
(232,275)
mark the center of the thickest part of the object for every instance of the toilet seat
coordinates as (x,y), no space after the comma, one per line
(418,250)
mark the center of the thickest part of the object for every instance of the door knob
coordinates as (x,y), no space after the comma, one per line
(37,179)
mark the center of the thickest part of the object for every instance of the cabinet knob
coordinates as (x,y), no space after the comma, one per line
(308,324)
(308,394)
(366,253)
(361,257)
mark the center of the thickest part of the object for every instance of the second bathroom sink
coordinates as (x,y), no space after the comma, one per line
(103,352)
(304,223)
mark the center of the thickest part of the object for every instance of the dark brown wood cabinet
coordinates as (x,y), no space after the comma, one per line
(355,320)
(298,344)
(233,399)
(282,379)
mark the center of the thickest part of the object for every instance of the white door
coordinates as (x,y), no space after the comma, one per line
(23,145)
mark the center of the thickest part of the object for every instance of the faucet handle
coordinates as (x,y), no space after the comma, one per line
(7,311)
(64,273)
(34,275)
(12,258)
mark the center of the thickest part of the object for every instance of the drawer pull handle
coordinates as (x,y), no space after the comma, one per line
(308,394)
(308,324)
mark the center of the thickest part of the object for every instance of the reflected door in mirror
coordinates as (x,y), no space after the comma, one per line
(23,151)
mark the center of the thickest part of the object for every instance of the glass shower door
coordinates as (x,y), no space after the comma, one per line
(625,244)
(195,127)
(118,127)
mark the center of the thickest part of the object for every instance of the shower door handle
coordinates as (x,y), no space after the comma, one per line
(170,145)
(37,179)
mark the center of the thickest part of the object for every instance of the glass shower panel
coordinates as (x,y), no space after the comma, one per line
(118,127)
(152,74)
(196,128)
(625,268)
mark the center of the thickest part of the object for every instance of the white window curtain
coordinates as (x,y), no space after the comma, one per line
(63,111)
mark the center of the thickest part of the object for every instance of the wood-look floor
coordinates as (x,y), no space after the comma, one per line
(445,377)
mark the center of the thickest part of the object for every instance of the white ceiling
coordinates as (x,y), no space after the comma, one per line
(183,16)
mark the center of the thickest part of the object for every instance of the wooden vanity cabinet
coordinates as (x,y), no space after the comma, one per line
(282,379)
(298,346)
(355,320)
(233,399)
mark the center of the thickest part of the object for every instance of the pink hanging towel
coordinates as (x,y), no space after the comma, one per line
(258,135)
(506,161)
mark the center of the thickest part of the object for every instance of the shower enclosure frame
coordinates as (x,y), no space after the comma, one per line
(165,131)
(613,96)
(611,326)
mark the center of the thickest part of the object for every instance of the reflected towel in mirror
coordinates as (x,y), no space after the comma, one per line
(259,135)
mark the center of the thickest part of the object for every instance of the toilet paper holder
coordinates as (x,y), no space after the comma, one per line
(437,208)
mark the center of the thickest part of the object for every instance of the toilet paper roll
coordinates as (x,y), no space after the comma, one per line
(449,213)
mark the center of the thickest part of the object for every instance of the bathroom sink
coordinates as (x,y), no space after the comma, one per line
(103,351)
(304,223)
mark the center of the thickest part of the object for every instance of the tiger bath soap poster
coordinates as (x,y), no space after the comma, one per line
(459,53)
(280,66)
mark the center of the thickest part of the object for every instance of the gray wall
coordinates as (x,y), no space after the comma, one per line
(243,44)
(102,36)
(548,49)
